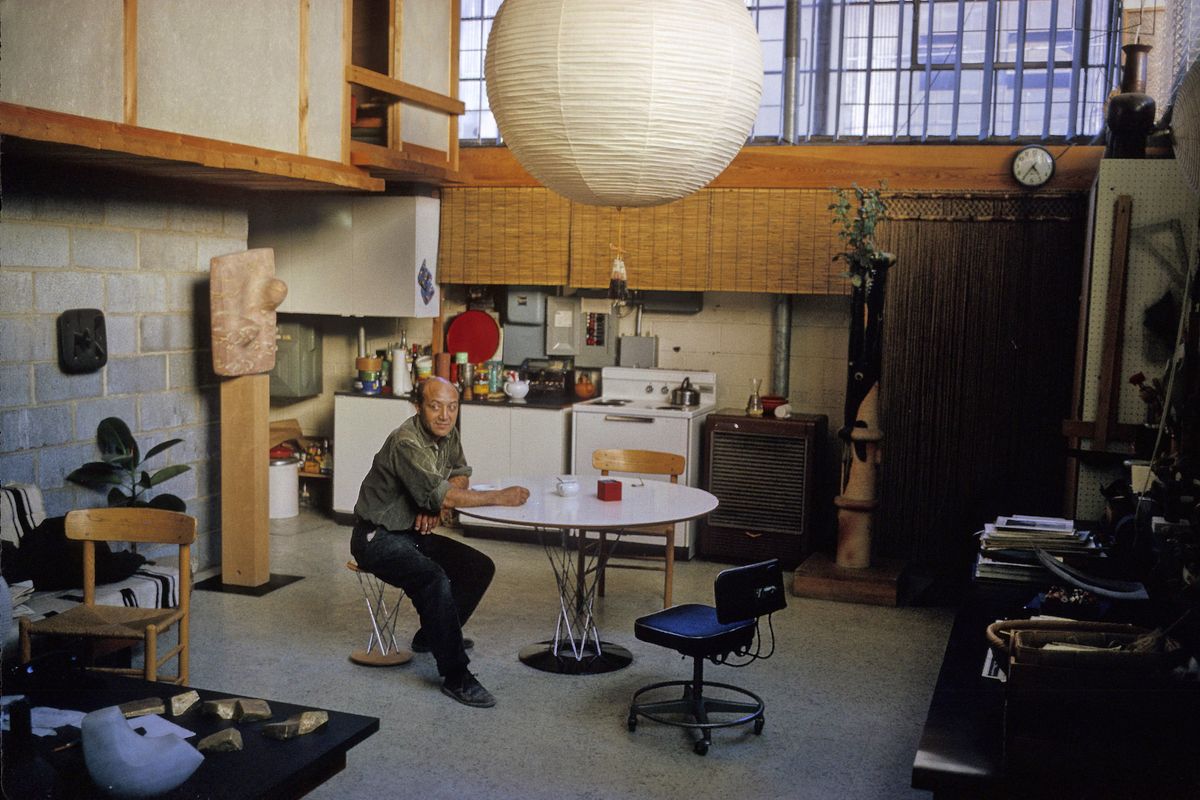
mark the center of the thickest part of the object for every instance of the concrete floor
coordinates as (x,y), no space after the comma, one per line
(846,691)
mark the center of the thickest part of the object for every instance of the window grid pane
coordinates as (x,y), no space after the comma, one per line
(901,70)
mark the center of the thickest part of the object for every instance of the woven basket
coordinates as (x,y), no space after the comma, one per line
(1000,634)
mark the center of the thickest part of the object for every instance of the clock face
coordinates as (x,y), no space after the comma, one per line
(1033,165)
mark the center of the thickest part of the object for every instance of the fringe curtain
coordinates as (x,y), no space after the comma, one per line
(978,362)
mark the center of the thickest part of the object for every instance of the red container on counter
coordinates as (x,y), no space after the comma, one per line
(608,489)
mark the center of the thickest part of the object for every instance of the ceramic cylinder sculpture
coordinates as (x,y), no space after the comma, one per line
(1130,115)
(624,102)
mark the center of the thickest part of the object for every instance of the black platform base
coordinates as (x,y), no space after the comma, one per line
(276,581)
(611,658)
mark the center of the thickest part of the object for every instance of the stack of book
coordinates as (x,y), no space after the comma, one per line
(1007,547)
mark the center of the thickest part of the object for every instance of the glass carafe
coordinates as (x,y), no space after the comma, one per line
(754,407)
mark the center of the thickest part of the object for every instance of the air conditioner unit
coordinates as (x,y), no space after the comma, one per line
(765,474)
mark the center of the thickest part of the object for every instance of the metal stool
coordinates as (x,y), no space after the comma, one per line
(381,649)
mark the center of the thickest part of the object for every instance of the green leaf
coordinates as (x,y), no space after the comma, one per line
(144,481)
(96,475)
(165,473)
(158,448)
(117,498)
(114,438)
(167,501)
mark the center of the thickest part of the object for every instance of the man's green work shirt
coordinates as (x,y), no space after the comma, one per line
(409,474)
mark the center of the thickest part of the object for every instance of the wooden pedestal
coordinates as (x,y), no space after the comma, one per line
(820,578)
(245,516)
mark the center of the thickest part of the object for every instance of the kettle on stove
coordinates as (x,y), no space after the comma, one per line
(685,394)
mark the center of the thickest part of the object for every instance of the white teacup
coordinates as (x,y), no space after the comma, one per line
(567,486)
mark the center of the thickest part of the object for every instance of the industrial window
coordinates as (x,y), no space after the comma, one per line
(902,70)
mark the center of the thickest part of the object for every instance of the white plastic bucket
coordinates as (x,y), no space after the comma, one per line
(284,488)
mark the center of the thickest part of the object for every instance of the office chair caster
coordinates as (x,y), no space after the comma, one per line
(701,747)
(758,726)
(631,723)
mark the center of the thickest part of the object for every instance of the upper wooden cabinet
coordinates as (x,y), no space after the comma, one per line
(250,94)
(360,256)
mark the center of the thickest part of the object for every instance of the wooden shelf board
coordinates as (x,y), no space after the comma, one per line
(399,165)
(68,138)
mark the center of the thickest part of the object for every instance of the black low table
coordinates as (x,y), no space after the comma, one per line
(53,766)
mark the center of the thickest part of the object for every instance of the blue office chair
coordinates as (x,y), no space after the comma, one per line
(731,629)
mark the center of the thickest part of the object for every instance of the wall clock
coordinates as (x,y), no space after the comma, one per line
(1033,165)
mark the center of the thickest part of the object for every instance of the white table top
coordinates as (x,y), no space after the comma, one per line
(642,503)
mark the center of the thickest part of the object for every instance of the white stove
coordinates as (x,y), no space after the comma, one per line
(635,412)
(647,392)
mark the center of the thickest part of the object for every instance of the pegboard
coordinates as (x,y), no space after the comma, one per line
(1162,246)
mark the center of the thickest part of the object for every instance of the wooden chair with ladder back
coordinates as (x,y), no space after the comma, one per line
(645,462)
(122,625)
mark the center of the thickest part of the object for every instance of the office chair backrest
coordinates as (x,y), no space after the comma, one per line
(749,592)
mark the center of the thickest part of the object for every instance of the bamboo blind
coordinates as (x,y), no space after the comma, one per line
(517,236)
(739,240)
(665,247)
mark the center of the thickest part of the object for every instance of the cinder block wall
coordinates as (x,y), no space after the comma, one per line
(142,258)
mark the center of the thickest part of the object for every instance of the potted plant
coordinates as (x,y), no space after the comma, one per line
(121,469)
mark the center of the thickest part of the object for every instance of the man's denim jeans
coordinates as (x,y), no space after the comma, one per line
(445,580)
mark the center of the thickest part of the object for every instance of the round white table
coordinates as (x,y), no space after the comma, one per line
(576,647)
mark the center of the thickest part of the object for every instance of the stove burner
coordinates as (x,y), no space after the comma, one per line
(671,408)
(611,401)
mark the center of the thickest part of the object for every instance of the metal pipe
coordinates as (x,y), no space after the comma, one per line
(782,351)
(791,55)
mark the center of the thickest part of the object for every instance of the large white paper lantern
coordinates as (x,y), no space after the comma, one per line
(624,102)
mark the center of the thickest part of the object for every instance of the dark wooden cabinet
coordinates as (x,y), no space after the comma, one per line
(765,473)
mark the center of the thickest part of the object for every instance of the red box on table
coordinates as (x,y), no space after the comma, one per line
(607,489)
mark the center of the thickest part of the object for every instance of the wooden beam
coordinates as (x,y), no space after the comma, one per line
(245,514)
(302,99)
(1114,324)
(408,92)
(455,32)
(347,57)
(130,63)
(114,137)
(903,167)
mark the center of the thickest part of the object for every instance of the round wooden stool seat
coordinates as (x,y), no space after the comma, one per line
(382,649)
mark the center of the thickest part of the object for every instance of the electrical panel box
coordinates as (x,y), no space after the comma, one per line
(589,336)
(297,371)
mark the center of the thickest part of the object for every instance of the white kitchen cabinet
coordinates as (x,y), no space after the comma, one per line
(360,425)
(486,440)
(510,441)
(352,256)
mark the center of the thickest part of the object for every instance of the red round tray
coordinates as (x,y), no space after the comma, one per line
(474,332)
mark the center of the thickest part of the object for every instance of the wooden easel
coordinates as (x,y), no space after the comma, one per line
(1106,429)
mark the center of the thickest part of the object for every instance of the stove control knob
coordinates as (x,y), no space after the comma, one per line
(663,390)
(649,388)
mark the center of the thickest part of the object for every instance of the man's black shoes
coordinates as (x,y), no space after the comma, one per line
(467,690)
(420,645)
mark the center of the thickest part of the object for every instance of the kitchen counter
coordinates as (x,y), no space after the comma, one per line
(544,401)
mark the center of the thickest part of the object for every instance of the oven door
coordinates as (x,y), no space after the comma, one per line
(627,430)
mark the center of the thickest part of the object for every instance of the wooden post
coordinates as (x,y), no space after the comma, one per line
(245,516)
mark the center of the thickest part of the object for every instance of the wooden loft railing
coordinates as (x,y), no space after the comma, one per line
(404,160)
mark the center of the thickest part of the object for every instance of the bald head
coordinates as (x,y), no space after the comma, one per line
(438,399)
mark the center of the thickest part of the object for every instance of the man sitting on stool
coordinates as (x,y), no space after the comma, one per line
(419,471)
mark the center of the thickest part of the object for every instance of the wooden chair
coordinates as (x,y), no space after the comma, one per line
(101,623)
(646,462)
